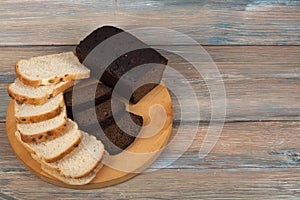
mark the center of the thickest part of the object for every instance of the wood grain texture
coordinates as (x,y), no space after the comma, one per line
(241,145)
(257,155)
(249,160)
(262,83)
(232,61)
(181,184)
(246,22)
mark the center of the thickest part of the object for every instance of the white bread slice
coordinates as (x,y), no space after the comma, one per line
(81,161)
(73,181)
(41,131)
(40,95)
(27,113)
(55,149)
(50,69)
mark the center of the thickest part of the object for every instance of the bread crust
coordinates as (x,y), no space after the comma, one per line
(94,167)
(37,101)
(23,79)
(39,118)
(69,150)
(49,81)
(76,177)
(40,137)
(54,159)
(67,180)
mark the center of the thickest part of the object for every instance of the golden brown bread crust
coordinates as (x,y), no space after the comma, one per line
(54,159)
(37,101)
(82,175)
(40,137)
(51,81)
(24,80)
(39,118)
(66,179)
(87,173)
(69,150)
(24,144)
(60,172)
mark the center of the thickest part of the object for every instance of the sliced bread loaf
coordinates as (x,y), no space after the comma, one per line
(41,131)
(72,181)
(114,138)
(27,113)
(87,93)
(55,149)
(102,114)
(81,161)
(40,95)
(139,83)
(50,69)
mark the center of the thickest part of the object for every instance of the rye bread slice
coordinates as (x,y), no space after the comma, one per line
(86,95)
(99,116)
(115,139)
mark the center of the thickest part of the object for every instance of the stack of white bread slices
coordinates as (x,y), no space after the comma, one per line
(64,152)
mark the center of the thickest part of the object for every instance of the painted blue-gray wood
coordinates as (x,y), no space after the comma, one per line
(214,22)
(257,155)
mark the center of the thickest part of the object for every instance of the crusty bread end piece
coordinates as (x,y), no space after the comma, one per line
(41,131)
(35,96)
(50,69)
(54,149)
(27,113)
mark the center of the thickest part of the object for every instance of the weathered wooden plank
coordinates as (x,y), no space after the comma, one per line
(240,145)
(261,82)
(168,184)
(247,100)
(254,5)
(245,145)
(232,61)
(250,160)
(218,22)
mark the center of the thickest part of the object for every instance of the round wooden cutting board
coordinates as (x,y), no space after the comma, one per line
(157,105)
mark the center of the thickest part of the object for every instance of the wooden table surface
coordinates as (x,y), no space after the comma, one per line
(255,44)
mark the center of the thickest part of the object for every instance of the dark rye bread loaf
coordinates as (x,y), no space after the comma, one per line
(115,140)
(91,108)
(86,96)
(136,84)
(90,119)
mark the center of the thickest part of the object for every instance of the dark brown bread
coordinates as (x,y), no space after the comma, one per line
(132,84)
(86,97)
(116,140)
(90,119)
(93,39)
